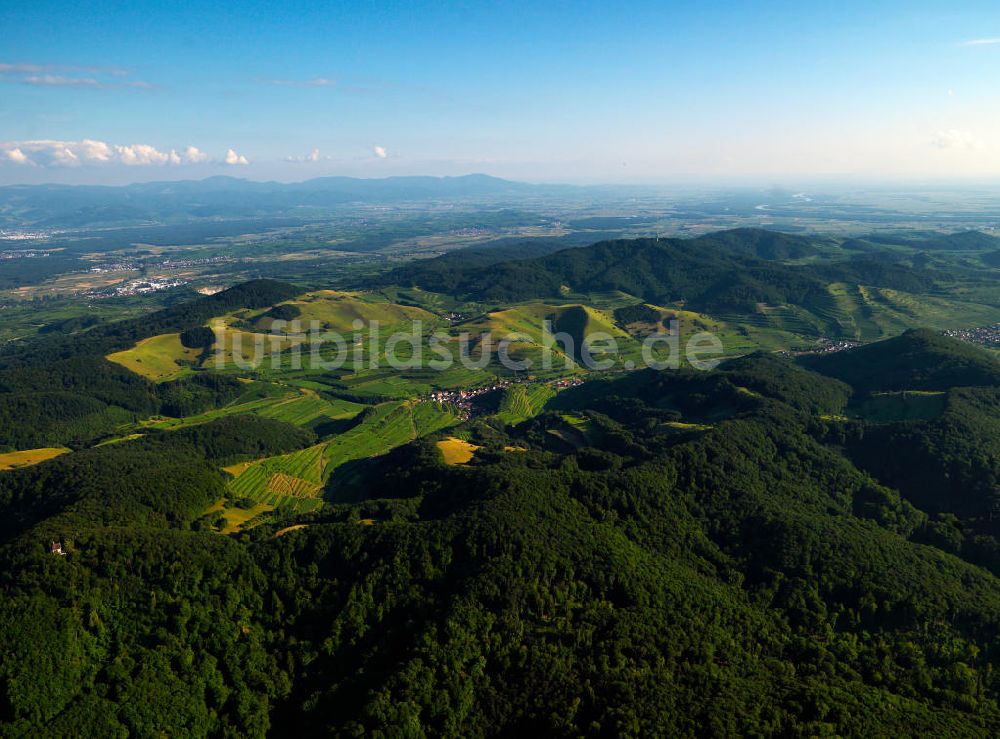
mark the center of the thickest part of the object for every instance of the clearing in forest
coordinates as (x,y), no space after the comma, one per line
(28,457)
(456,451)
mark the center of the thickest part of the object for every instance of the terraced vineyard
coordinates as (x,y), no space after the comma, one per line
(301,408)
(521,402)
(295,481)
(385,427)
(298,475)
(307,407)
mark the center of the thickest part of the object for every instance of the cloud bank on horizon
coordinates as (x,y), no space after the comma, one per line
(52,153)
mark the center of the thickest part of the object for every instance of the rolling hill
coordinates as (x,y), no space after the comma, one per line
(917,360)
(739,277)
(712,273)
(762,243)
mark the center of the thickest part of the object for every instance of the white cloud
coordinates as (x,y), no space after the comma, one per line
(54,153)
(314,82)
(380,152)
(17,156)
(97,151)
(58,80)
(141,155)
(7,68)
(21,68)
(194,155)
(232,158)
(70,75)
(312,156)
(65,156)
(981,42)
(953,138)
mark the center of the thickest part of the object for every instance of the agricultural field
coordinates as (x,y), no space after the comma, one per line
(385,427)
(855,312)
(158,358)
(237,518)
(28,457)
(523,401)
(300,407)
(341,312)
(526,324)
(384,383)
(308,407)
(250,350)
(272,480)
(456,451)
(296,480)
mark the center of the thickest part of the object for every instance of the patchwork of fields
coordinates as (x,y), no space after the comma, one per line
(299,407)
(360,411)
(295,481)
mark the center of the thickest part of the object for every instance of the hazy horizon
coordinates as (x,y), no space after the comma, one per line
(763,183)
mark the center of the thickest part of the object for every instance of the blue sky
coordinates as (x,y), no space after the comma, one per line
(574,91)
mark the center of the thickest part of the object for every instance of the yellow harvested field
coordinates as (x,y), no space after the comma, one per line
(28,457)
(247,349)
(296,487)
(238,469)
(236,517)
(158,358)
(456,451)
(217,506)
(287,529)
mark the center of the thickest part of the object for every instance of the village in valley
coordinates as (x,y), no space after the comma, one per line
(987,336)
(466,400)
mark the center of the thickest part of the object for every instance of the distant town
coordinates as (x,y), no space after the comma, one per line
(23,235)
(827,346)
(32,254)
(988,336)
(134,287)
(126,265)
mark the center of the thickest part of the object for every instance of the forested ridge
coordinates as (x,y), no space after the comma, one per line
(725,271)
(753,550)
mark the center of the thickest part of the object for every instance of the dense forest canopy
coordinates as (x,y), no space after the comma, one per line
(730,270)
